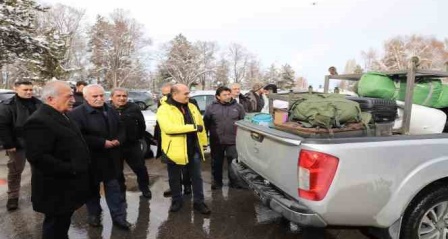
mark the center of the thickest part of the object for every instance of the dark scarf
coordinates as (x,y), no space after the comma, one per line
(30,104)
(192,143)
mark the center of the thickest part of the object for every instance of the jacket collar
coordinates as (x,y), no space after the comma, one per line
(55,114)
(92,110)
(216,101)
(15,99)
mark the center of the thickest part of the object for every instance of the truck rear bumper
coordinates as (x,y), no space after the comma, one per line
(275,199)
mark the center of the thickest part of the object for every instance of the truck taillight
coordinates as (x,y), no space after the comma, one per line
(315,174)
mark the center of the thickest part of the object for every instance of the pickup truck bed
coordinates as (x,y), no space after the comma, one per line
(376,179)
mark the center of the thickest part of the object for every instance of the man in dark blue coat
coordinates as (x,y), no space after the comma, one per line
(219,120)
(59,158)
(101,128)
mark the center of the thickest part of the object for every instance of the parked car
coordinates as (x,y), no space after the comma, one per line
(6,94)
(150,121)
(203,97)
(143,99)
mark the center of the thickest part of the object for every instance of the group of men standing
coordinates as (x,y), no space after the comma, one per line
(71,151)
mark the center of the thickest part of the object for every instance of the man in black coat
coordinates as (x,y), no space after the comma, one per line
(132,119)
(240,98)
(13,114)
(79,97)
(219,120)
(59,159)
(101,128)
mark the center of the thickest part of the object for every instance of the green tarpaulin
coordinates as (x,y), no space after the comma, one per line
(426,92)
(376,85)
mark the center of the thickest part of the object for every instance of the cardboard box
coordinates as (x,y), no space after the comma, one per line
(280,116)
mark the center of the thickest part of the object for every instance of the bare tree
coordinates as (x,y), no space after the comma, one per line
(370,58)
(118,51)
(207,52)
(433,53)
(238,57)
(253,73)
(222,73)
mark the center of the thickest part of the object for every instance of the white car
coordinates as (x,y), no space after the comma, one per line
(203,97)
(150,120)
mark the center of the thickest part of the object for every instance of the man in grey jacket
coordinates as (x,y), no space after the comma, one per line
(219,120)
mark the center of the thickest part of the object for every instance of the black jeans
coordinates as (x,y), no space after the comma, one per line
(56,226)
(133,155)
(194,169)
(218,152)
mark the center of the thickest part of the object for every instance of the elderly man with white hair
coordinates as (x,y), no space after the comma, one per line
(100,125)
(59,158)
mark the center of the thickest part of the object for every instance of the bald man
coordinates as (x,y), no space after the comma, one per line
(183,140)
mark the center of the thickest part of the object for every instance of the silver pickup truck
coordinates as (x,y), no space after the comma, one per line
(397,184)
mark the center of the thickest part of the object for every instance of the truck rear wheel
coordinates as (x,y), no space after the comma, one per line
(427,216)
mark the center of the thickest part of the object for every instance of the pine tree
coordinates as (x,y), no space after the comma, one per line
(21,41)
(287,77)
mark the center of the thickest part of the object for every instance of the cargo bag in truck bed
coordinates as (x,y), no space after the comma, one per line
(347,130)
(326,111)
(381,110)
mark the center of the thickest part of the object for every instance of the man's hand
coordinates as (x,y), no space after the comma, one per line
(116,142)
(199,128)
(109,144)
(11,150)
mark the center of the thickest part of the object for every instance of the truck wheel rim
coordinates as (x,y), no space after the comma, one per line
(434,224)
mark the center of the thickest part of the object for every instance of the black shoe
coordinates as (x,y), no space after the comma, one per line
(147,194)
(216,185)
(202,208)
(175,206)
(167,193)
(187,190)
(12,204)
(94,220)
(123,224)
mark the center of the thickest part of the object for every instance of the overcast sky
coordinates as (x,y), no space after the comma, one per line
(308,35)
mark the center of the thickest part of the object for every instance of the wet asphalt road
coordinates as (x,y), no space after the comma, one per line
(235,214)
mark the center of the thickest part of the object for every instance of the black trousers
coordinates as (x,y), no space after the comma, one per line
(194,169)
(133,155)
(56,226)
(218,152)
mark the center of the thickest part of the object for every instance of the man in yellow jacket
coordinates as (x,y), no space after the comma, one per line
(183,141)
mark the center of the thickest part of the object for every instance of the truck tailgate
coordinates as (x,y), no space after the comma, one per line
(273,154)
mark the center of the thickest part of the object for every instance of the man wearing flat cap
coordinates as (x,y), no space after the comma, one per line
(255,97)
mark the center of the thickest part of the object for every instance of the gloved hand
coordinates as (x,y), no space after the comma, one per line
(199,128)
